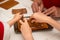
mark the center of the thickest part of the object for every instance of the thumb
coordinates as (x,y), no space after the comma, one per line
(18,13)
(21,21)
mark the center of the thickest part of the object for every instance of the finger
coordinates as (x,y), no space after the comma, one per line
(31,16)
(46,11)
(21,15)
(18,13)
(56,13)
(33,7)
(21,21)
(50,12)
(39,9)
(25,20)
(32,21)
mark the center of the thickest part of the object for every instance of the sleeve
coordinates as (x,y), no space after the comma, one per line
(4,30)
(1,31)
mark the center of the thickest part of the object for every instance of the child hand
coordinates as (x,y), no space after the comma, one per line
(26,30)
(17,16)
(15,19)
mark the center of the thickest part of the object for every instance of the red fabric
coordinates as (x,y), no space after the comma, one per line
(1,31)
(50,3)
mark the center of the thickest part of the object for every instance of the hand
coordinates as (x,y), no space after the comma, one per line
(40,17)
(25,26)
(26,30)
(17,17)
(35,7)
(53,12)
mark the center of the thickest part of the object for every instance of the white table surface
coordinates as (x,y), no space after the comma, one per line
(6,15)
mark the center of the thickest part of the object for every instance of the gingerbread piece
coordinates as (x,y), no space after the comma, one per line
(45,27)
(34,26)
(8,4)
(22,11)
(11,0)
(1,0)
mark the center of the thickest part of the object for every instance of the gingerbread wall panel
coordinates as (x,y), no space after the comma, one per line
(8,4)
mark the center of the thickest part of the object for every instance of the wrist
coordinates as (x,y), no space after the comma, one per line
(49,20)
(11,22)
(14,19)
(29,37)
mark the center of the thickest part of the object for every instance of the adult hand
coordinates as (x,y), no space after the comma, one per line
(53,11)
(40,17)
